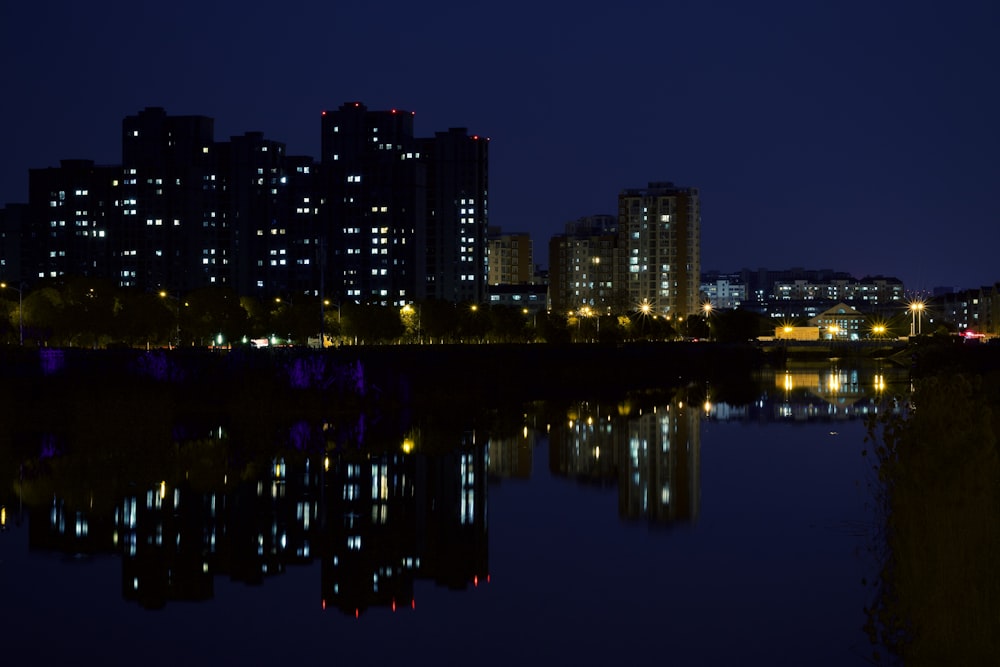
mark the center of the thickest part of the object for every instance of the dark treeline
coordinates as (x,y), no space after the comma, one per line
(94,313)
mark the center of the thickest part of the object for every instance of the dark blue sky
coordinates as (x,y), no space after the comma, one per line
(853,135)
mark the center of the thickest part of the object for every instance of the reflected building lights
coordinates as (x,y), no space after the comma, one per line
(378,521)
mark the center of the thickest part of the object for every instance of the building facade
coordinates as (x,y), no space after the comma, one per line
(172,233)
(510,258)
(71,220)
(407,217)
(659,232)
(452,245)
(584,267)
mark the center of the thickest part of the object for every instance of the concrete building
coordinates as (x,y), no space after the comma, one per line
(172,233)
(724,293)
(452,245)
(841,322)
(406,217)
(71,219)
(584,267)
(510,258)
(271,210)
(659,233)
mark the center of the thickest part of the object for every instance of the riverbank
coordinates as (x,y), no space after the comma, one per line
(403,375)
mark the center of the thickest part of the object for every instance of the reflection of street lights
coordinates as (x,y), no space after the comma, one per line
(20,309)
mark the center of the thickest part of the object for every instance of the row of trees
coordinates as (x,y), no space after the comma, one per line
(86,312)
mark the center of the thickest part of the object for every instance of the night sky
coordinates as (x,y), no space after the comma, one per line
(853,135)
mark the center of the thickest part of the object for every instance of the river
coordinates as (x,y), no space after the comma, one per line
(696,526)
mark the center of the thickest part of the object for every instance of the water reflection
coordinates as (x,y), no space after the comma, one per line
(377,520)
(647,446)
(381,509)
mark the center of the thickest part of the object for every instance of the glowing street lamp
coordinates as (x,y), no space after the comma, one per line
(916,321)
(177,314)
(706,309)
(20,309)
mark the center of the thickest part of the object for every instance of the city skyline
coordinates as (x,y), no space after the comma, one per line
(815,139)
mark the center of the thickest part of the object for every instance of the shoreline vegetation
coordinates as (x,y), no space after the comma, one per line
(297,380)
(937,496)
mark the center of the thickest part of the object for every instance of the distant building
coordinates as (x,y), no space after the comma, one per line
(71,220)
(659,232)
(172,233)
(867,293)
(452,246)
(974,310)
(840,322)
(511,259)
(531,298)
(13,221)
(407,217)
(584,267)
(724,293)
(271,210)
(385,217)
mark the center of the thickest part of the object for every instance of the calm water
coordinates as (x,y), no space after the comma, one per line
(682,529)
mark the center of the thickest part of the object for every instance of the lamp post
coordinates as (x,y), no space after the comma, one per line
(177,315)
(916,321)
(20,310)
(411,320)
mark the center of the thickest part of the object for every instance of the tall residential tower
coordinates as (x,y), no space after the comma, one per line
(407,216)
(659,232)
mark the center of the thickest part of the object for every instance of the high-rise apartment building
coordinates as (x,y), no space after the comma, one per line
(510,258)
(582,266)
(659,232)
(71,217)
(272,212)
(172,233)
(452,246)
(375,184)
(383,218)
(407,216)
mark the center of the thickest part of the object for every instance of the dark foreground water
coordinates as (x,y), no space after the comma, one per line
(655,530)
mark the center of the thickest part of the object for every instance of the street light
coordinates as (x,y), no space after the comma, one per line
(408,311)
(916,322)
(177,315)
(20,309)
(707,309)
